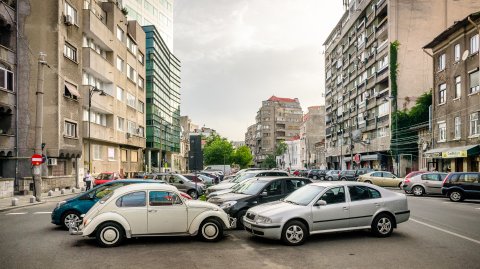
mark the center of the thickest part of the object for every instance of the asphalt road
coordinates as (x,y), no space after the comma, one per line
(440,234)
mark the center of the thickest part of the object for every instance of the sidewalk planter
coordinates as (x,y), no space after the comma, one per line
(6,187)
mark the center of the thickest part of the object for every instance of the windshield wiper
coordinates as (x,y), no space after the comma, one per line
(291,202)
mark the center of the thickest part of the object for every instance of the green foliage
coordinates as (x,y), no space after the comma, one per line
(242,156)
(217,150)
(280,148)
(394,66)
(269,162)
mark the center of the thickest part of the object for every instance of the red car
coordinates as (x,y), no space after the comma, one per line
(105,177)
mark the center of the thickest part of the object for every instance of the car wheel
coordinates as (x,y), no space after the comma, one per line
(110,234)
(294,233)
(343,179)
(240,215)
(368,181)
(407,192)
(418,191)
(330,178)
(210,230)
(69,217)
(322,178)
(455,196)
(314,177)
(382,225)
(400,185)
(193,194)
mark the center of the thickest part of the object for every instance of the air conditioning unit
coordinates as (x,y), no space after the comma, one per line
(68,20)
(51,161)
(137,131)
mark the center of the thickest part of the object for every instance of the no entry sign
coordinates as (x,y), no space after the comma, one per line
(37,159)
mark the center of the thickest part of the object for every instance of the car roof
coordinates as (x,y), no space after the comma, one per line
(341,183)
(144,187)
(267,179)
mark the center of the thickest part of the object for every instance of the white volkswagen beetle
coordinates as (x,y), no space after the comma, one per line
(150,209)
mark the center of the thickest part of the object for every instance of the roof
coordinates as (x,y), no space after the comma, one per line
(145,186)
(452,29)
(281,99)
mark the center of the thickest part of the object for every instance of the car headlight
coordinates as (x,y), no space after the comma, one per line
(86,221)
(228,204)
(59,204)
(262,219)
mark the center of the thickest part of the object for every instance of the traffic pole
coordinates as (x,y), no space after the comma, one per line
(37,169)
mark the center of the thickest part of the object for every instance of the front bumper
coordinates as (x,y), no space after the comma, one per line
(76,230)
(232,222)
(271,231)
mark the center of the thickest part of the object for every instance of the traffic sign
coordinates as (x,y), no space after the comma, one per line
(356,158)
(37,159)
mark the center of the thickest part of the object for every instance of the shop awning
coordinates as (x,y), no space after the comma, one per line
(72,89)
(434,153)
(371,157)
(461,152)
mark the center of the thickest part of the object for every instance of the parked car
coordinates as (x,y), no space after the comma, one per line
(232,189)
(193,178)
(350,175)
(381,178)
(151,209)
(424,183)
(184,184)
(215,178)
(245,176)
(304,173)
(459,186)
(332,175)
(257,191)
(410,175)
(328,207)
(105,177)
(317,174)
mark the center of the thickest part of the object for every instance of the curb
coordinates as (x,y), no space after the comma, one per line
(36,203)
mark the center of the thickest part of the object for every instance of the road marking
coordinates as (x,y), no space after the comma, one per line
(446,231)
(35,213)
(17,213)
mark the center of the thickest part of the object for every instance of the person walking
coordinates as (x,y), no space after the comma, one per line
(88,180)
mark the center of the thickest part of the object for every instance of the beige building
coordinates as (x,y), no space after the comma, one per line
(358,92)
(250,140)
(91,51)
(312,132)
(456,97)
(278,119)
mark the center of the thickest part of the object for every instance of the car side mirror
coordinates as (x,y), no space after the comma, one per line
(320,203)
(264,193)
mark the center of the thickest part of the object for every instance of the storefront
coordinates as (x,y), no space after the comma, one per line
(457,159)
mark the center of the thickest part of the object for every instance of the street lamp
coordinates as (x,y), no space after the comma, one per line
(91,92)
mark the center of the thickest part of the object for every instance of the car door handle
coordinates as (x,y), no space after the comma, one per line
(345,208)
(377,204)
(152,210)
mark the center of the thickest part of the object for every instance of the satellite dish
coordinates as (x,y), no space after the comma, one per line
(357,136)
(465,55)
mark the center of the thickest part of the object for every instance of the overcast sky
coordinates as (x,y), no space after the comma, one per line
(236,53)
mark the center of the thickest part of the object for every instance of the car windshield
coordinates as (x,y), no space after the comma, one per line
(106,197)
(103,191)
(251,187)
(304,195)
(183,178)
(105,176)
(243,177)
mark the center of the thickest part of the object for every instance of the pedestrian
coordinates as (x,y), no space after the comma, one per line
(88,180)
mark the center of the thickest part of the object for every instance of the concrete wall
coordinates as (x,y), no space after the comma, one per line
(6,187)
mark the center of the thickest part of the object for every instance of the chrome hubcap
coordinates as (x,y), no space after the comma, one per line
(455,196)
(193,195)
(109,235)
(294,234)
(384,225)
(210,230)
(71,219)
(417,191)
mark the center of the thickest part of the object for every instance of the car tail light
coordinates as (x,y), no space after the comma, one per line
(406,180)
(446,178)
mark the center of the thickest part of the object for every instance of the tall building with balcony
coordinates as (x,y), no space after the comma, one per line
(163,103)
(358,68)
(93,54)
(278,120)
(153,12)
(250,140)
(312,132)
(455,144)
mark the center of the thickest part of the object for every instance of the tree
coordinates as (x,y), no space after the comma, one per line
(242,156)
(269,162)
(281,148)
(217,150)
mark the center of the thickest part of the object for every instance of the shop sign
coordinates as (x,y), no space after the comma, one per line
(433,155)
(454,154)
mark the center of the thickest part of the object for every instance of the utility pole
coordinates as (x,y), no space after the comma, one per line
(37,170)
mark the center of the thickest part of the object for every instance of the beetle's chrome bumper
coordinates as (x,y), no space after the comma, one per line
(75,227)
(233,222)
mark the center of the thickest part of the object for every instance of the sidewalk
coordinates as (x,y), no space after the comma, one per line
(24,200)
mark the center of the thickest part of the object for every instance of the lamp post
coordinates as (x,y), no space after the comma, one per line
(91,92)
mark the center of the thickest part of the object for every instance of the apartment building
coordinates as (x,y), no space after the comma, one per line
(312,132)
(277,120)
(456,97)
(292,157)
(95,62)
(250,139)
(358,67)
(163,104)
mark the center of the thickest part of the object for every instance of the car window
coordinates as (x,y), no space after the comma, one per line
(468,178)
(358,193)
(334,196)
(377,174)
(104,190)
(304,196)
(432,177)
(442,176)
(163,198)
(294,184)
(134,199)
(387,174)
(275,188)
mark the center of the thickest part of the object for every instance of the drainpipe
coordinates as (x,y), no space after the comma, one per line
(432,107)
(16,93)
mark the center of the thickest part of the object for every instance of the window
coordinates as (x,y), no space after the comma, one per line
(70,52)
(141,58)
(442,132)
(70,11)
(120,94)
(275,188)
(474,124)
(97,152)
(95,117)
(474,83)
(124,155)
(441,62)
(135,199)
(141,131)
(119,34)
(131,73)
(474,44)
(120,124)
(383,109)
(458,87)
(131,127)
(163,198)
(442,94)
(6,79)
(111,154)
(70,129)
(70,91)
(131,100)
(141,82)
(457,52)
(358,193)
(133,156)
(334,196)
(140,106)
(132,47)
(120,64)
(458,124)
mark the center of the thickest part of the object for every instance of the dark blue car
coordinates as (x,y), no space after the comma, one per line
(71,209)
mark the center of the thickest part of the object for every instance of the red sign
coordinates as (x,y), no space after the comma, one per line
(37,159)
(356,158)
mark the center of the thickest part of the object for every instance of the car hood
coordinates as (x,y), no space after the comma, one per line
(220,192)
(274,208)
(228,197)
(223,186)
(201,204)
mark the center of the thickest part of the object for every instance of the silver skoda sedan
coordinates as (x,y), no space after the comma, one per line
(328,207)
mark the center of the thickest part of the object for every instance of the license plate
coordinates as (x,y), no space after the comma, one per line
(247,225)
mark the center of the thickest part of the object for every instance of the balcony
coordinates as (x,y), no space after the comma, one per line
(95,28)
(381,5)
(104,104)
(98,132)
(381,28)
(96,65)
